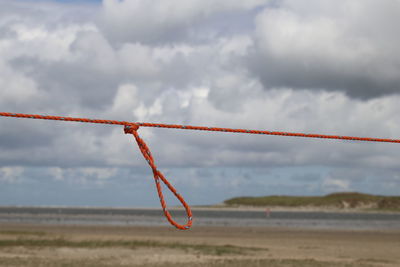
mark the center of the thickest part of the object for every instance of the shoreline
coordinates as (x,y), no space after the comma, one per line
(204,217)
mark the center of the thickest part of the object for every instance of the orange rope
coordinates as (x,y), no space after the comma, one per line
(132,127)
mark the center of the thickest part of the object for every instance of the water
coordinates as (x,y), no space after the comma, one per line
(155,217)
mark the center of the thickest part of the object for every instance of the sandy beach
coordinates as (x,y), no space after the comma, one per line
(61,245)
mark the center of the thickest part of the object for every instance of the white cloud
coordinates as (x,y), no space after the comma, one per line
(125,101)
(92,48)
(15,87)
(99,173)
(82,175)
(138,61)
(47,44)
(11,174)
(335,185)
(56,173)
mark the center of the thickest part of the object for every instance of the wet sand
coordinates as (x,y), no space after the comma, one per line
(232,217)
(58,245)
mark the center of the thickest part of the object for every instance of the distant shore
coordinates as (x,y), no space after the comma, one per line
(292,209)
(335,202)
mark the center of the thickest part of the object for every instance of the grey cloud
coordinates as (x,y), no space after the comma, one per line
(166,22)
(71,85)
(22,138)
(191,83)
(310,74)
(348,47)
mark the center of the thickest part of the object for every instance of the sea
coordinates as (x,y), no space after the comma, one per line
(201,217)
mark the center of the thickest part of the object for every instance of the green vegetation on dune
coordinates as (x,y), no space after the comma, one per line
(336,200)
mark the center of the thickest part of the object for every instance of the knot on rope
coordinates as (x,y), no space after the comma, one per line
(158,176)
(130,128)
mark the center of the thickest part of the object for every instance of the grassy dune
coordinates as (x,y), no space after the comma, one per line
(336,200)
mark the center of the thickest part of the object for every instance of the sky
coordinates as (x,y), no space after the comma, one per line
(312,66)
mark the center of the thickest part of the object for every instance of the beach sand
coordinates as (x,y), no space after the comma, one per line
(59,245)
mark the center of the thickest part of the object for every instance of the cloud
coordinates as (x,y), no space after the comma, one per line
(11,175)
(336,185)
(323,45)
(84,176)
(164,21)
(290,66)
(198,83)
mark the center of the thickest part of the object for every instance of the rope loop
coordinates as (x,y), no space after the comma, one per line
(132,129)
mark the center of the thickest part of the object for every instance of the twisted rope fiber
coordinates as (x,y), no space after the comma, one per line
(132,127)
